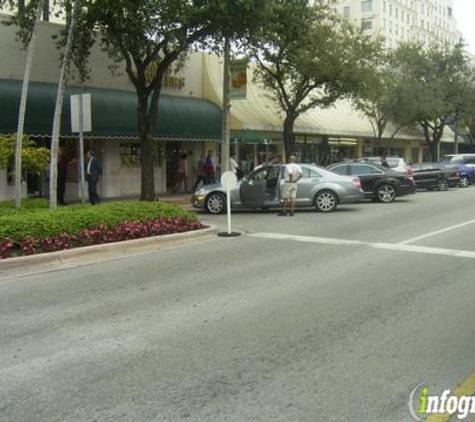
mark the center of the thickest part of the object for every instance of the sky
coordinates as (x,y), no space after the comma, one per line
(464,11)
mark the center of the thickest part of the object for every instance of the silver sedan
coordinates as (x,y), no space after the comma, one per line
(317,188)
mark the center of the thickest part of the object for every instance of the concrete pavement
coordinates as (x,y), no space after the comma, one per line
(314,324)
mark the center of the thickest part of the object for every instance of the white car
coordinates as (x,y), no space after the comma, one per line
(395,163)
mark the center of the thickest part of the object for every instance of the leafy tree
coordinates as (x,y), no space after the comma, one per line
(33,157)
(151,37)
(381,99)
(309,57)
(29,18)
(435,83)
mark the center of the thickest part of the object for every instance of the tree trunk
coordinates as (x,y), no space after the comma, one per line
(433,151)
(24,96)
(147,189)
(46,11)
(289,138)
(53,201)
(456,136)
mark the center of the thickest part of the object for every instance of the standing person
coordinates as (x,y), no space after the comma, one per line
(62,175)
(292,174)
(200,172)
(93,171)
(233,165)
(384,161)
(182,172)
(209,167)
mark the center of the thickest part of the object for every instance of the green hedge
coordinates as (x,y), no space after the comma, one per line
(39,222)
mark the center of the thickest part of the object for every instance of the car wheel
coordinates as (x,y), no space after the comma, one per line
(464,182)
(326,201)
(386,193)
(442,185)
(215,203)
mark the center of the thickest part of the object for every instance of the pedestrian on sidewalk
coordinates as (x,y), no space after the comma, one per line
(93,172)
(200,173)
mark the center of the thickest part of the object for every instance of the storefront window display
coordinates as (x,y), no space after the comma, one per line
(130,154)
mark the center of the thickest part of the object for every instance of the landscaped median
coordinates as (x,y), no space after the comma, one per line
(35,229)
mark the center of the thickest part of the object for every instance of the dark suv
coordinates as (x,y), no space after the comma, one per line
(378,182)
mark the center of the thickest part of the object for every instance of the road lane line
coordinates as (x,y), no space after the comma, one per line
(384,246)
(437,232)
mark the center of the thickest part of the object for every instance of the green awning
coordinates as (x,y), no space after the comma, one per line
(248,136)
(114,113)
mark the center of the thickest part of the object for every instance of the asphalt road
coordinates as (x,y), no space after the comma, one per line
(319,317)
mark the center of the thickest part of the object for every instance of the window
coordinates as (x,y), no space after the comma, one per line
(341,170)
(363,169)
(129,153)
(308,172)
(366,24)
(367,6)
(260,174)
(346,12)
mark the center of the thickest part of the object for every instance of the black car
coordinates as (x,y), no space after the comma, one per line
(431,176)
(378,182)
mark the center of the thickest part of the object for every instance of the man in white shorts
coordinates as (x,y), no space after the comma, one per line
(288,191)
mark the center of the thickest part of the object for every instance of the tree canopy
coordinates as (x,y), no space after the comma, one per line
(309,57)
(436,81)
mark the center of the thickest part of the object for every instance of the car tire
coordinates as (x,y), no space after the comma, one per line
(464,182)
(326,201)
(386,193)
(442,185)
(215,203)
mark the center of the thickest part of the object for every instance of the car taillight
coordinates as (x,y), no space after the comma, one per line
(356,182)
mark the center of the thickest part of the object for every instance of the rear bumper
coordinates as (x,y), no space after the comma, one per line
(352,198)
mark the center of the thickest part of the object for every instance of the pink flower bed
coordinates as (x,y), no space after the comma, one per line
(97,236)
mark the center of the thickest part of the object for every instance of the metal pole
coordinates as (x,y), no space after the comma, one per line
(226,107)
(81,150)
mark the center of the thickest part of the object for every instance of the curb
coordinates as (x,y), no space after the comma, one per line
(116,248)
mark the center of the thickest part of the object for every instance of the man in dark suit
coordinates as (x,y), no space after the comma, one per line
(93,171)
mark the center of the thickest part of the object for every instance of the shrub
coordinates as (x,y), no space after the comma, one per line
(39,223)
(34,229)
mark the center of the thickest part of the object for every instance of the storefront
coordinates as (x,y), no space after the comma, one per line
(187,122)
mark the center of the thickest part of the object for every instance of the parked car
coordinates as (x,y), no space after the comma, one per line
(431,176)
(395,163)
(380,183)
(318,187)
(466,173)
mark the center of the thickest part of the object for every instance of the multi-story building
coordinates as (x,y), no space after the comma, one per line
(426,21)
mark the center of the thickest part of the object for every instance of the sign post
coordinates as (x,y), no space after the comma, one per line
(228,181)
(80,123)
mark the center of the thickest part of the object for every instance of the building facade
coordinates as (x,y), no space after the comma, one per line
(426,21)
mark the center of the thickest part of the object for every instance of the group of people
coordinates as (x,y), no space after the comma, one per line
(92,173)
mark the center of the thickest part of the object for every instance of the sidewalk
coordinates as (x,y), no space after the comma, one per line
(182,199)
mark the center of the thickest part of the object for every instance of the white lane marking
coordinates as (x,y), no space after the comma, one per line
(435,233)
(385,246)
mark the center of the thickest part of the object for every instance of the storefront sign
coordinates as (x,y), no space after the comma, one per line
(169,79)
(238,88)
